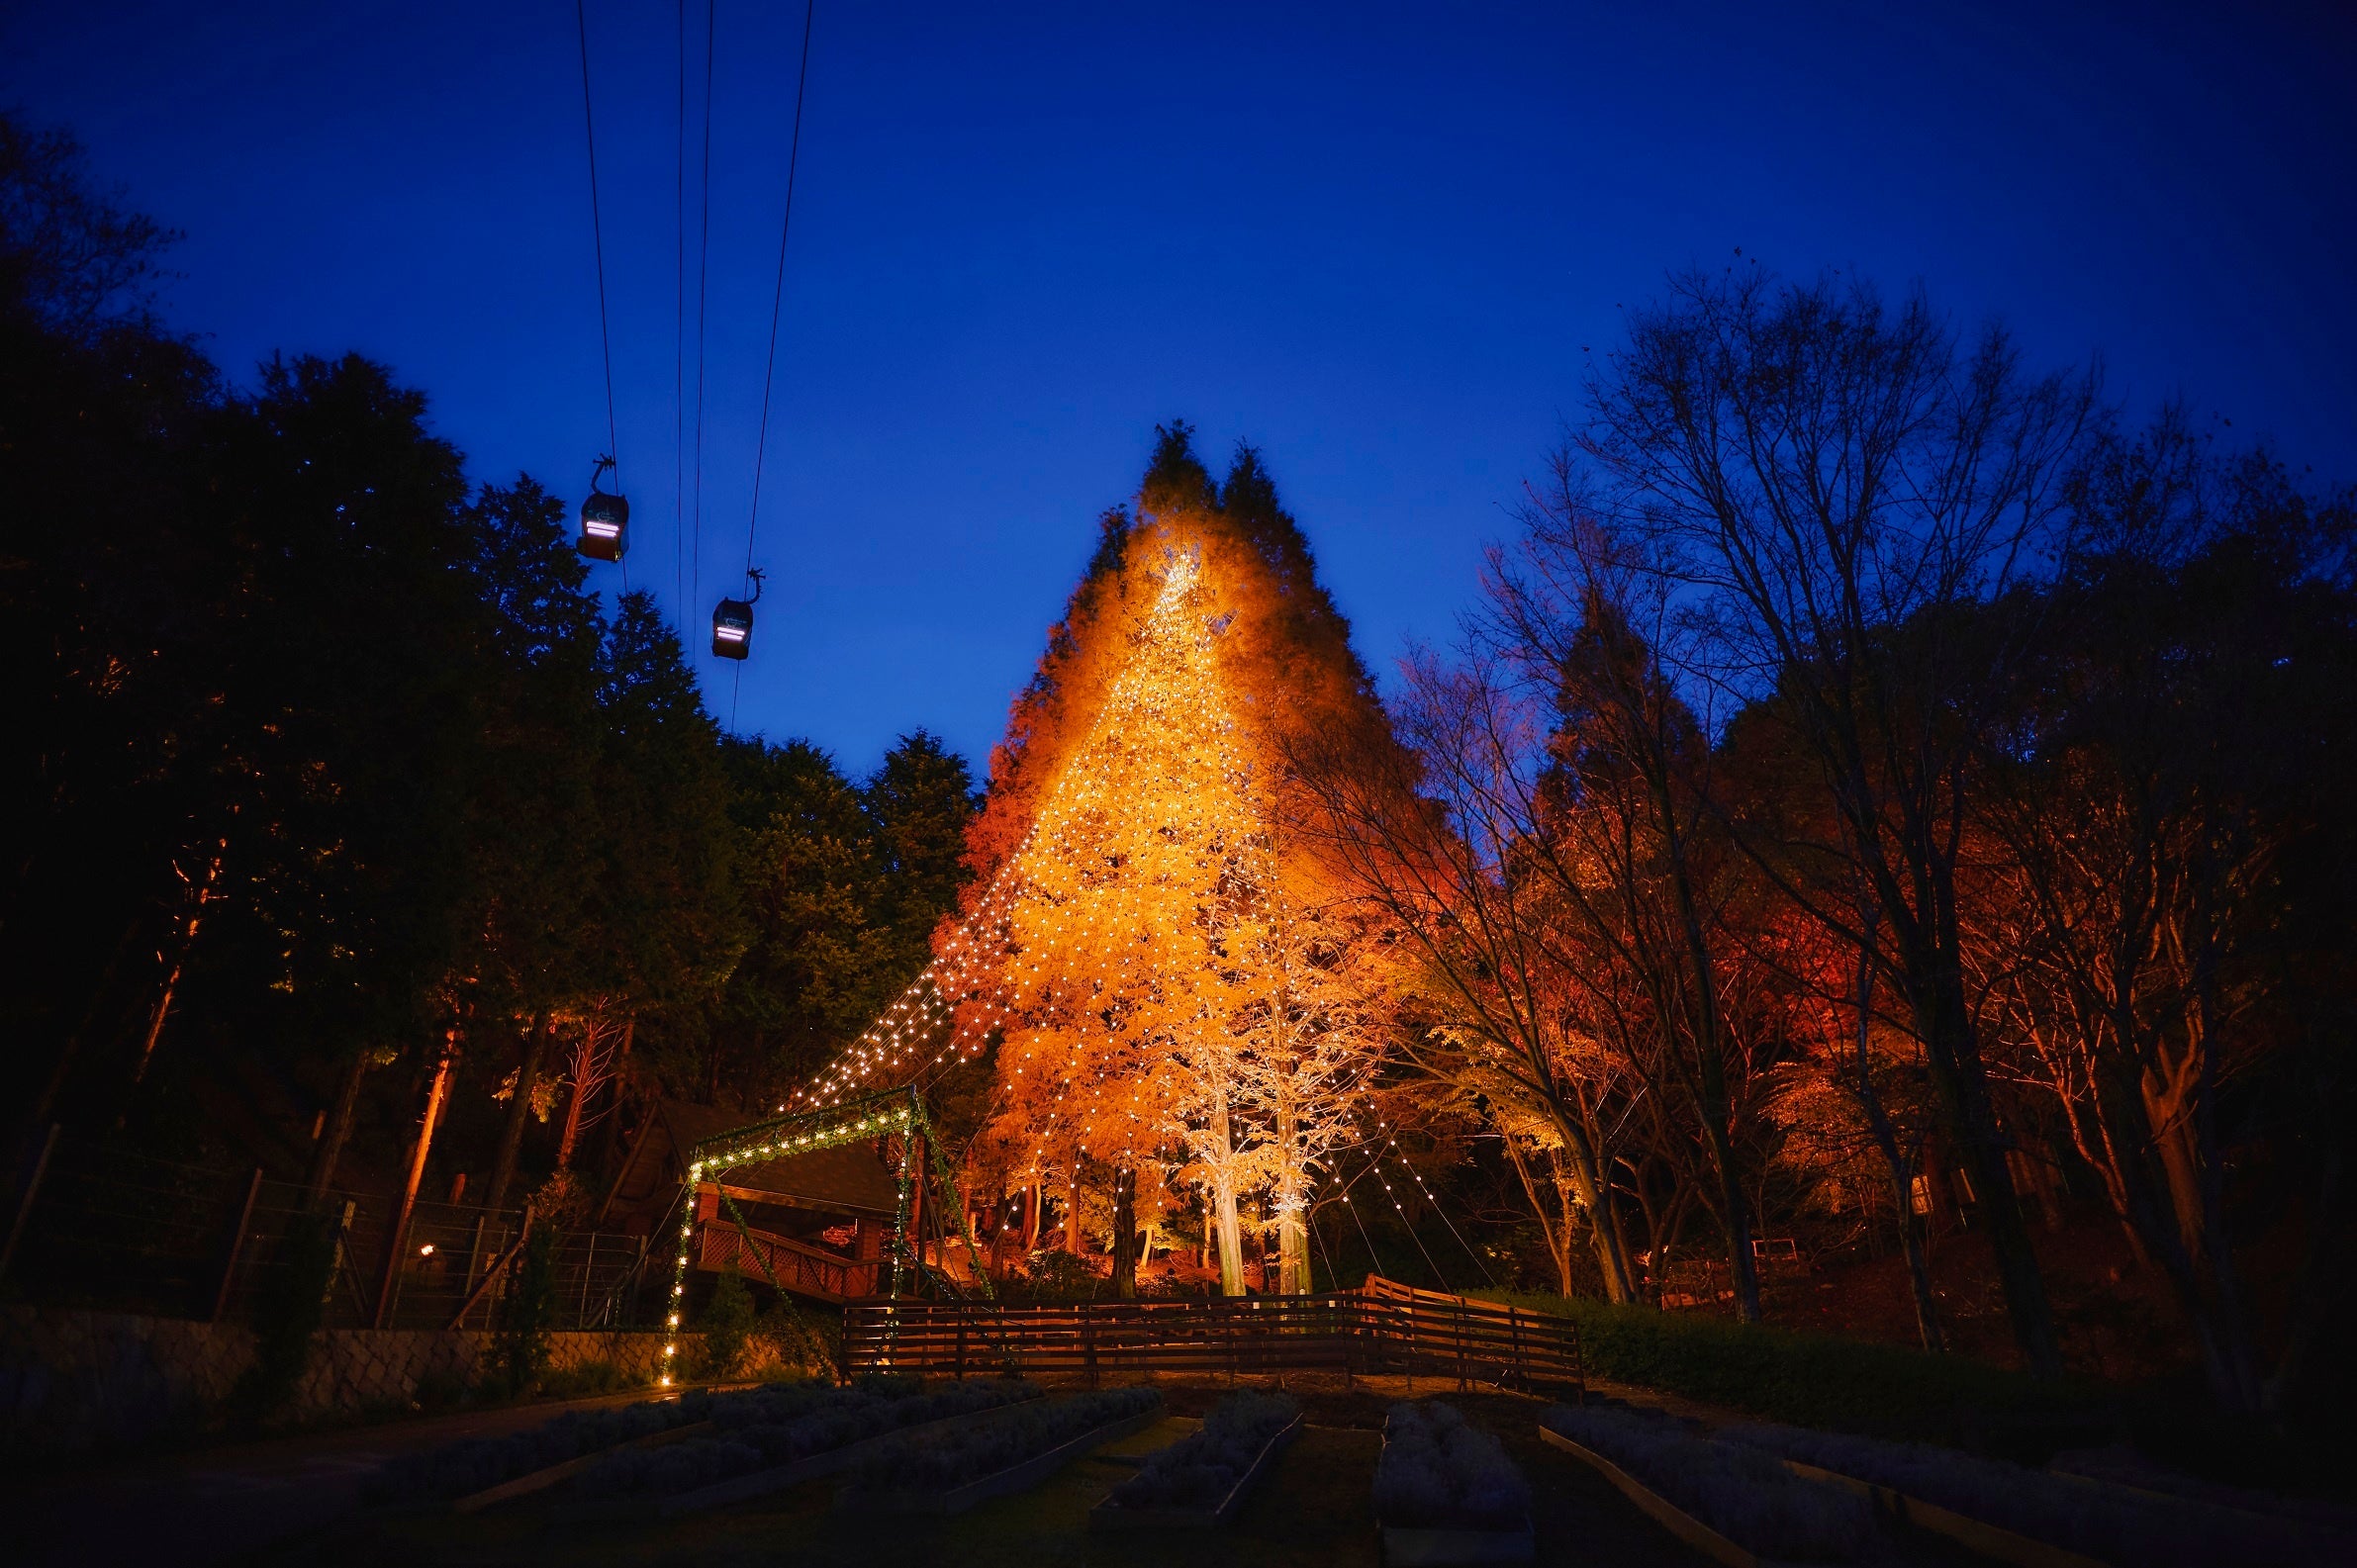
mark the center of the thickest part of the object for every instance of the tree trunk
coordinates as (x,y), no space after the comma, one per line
(528,1077)
(1579,1163)
(1557,1229)
(1953,1055)
(171,980)
(329,1154)
(1231,1239)
(397,1247)
(1735,1221)
(611,1139)
(1072,1213)
(1901,1167)
(1292,1250)
(1125,1240)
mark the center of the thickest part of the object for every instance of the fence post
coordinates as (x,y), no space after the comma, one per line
(1458,1319)
(474,1261)
(16,1226)
(336,1268)
(589,1267)
(236,1247)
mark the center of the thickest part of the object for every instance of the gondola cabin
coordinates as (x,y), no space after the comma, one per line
(733,628)
(605,521)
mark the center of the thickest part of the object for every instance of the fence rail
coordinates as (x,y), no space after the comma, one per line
(1383,1327)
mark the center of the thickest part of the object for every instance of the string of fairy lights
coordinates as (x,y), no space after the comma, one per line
(799,1134)
(959,985)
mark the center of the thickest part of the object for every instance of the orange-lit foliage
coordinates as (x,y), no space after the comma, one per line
(1155,965)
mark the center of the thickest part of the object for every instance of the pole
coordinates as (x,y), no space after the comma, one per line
(40,1170)
(228,1264)
(408,1193)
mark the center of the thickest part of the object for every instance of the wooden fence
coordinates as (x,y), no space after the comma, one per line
(1382,1329)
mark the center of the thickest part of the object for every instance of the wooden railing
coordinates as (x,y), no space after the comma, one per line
(1382,1329)
(797,1266)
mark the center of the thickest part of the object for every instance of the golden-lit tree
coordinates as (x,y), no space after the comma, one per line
(1141,962)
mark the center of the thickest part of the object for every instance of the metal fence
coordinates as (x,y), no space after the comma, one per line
(97,1226)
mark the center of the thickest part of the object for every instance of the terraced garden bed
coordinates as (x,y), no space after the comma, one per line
(1446,1492)
(2034,1519)
(1203,1478)
(951,1472)
(764,1445)
(1736,1504)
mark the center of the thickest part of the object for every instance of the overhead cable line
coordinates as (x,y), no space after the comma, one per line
(597,228)
(769,374)
(679,339)
(778,291)
(704,267)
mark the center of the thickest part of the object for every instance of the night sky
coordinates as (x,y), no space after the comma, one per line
(1380,242)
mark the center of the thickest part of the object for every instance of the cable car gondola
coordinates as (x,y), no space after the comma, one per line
(733,623)
(604,520)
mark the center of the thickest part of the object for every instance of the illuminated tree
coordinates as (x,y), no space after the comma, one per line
(1310,1045)
(1128,957)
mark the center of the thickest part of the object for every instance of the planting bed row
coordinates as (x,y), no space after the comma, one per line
(475,1464)
(949,1471)
(1445,1491)
(1736,1504)
(1205,1477)
(778,1437)
(1780,1492)
(2003,1508)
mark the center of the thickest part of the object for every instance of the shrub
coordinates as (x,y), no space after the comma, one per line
(585,1378)
(521,1348)
(1201,1468)
(287,1314)
(941,1461)
(2112,1526)
(1738,1490)
(440,1388)
(1057,1276)
(1438,1473)
(1804,1378)
(807,1342)
(726,1323)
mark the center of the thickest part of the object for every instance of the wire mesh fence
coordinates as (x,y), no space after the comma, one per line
(97,1226)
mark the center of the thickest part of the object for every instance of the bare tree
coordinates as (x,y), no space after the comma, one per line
(1622,830)
(2182,750)
(1835,487)
(1433,856)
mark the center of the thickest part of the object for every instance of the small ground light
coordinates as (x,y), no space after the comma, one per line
(426,1250)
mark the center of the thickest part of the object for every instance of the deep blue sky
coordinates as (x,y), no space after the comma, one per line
(1373,240)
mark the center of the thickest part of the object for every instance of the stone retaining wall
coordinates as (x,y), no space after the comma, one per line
(76,1382)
